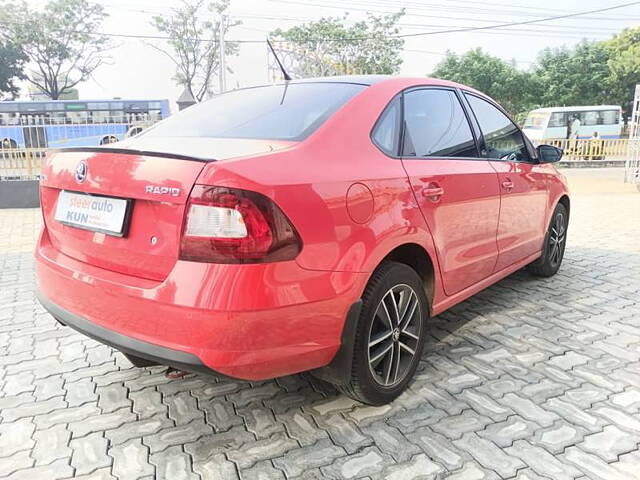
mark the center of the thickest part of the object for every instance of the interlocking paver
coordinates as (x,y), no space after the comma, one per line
(559,436)
(505,433)
(295,462)
(391,441)
(17,461)
(222,442)
(544,373)
(541,461)
(173,464)
(16,436)
(147,403)
(301,427)
(629,400)
(137,429)
(610,443)
(56,470)
(489,455)
(177,435)
(260,421)
(529,410)
(273,447)
(344,432)
(439,448)
(89,453)
(420,467)
(217,467)
(51,444)
(593,466)
(368,462)
(131,460)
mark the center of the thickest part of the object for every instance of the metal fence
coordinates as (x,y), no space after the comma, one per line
(24,141)
(591,149)
(26,162)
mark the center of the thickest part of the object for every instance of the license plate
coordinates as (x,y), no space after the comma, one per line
(93,212)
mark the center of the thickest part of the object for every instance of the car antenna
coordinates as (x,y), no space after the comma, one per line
(284,72)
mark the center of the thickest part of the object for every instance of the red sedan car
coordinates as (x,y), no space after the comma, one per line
(314,225)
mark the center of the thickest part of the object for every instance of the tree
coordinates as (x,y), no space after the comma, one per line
(194,31)
(574,76)
(11,69)
(59,41)
(512,88)
(330,47)
(624,66)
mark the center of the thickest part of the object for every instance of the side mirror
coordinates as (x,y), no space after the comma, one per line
(549,153)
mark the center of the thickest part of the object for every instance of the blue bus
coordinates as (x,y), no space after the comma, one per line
(75,123)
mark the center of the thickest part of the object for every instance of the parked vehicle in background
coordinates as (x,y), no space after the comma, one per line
(315,225)
(75,123)
(555,122)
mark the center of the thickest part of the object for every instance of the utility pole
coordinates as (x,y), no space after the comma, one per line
(222,63)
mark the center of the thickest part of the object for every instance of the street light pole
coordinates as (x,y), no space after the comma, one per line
(222,63)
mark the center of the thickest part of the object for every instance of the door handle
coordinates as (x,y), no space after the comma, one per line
(433,192)
(507,185)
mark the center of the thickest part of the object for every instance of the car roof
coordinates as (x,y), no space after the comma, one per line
(359,79)
(370,80)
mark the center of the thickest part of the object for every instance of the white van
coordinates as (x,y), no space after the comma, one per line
(553,122)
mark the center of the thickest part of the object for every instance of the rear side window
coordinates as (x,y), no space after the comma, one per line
(502,138)
(387,130)
(435,125)
(277,112)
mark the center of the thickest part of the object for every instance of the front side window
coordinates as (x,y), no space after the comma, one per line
(435,125)
(277,112)
(386,132)
(502,138)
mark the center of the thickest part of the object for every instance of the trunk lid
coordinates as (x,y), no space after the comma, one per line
(157,188)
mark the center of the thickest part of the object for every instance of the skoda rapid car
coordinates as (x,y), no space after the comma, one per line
(314,225)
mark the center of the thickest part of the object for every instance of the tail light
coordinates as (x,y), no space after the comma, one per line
(228,225)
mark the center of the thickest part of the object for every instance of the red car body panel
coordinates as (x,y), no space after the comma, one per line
(351,205)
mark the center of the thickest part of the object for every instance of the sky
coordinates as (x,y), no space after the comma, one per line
(137,70)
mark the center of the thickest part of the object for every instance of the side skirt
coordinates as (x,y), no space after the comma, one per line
(449,302)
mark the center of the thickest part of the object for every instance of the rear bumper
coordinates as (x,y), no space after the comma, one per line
(245,321)
(155,354)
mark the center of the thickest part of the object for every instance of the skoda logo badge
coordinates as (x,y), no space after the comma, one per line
(81,171)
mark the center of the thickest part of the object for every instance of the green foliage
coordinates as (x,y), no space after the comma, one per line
(574,76)
(590,73)
(58,40)
(331,47)
(11,69)
(194,31)
(491,75)
(624,65)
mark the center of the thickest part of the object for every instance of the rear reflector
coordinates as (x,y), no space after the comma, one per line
(227,225)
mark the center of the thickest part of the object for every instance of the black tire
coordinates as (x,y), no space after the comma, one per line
(554,244)
(390,285)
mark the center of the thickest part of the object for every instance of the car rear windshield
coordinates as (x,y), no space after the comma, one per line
(278,112)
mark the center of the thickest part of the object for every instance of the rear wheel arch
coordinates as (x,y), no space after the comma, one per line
(564,200)
(416,257)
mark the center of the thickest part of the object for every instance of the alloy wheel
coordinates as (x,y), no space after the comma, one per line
(394,334)
(557,237)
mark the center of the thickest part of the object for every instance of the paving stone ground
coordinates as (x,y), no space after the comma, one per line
(529,379)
